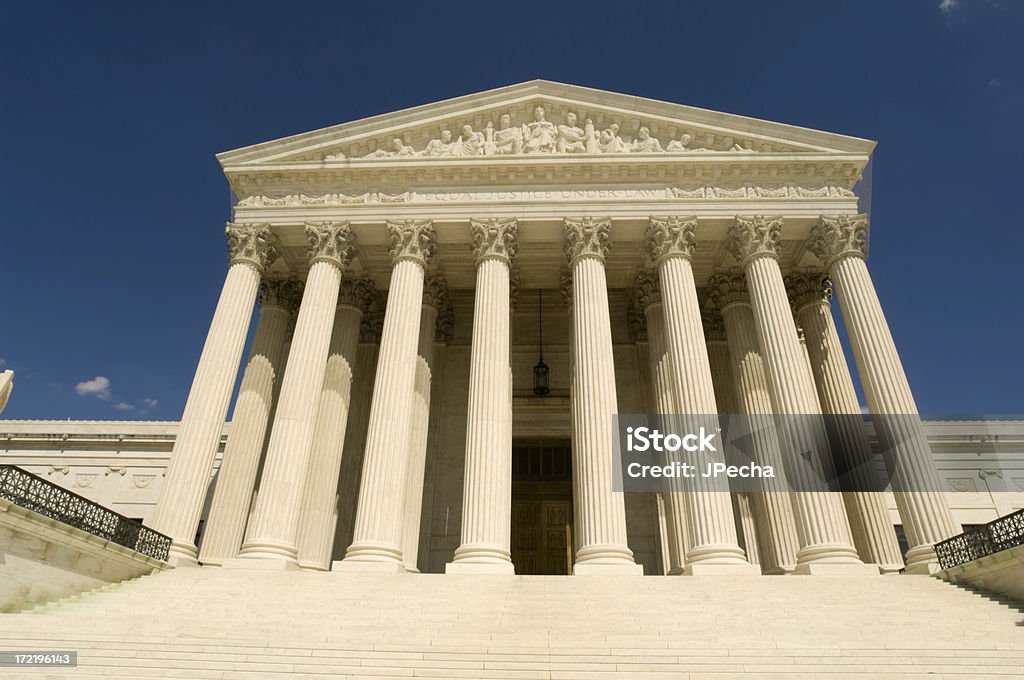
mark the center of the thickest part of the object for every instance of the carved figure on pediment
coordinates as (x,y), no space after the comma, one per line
(590,137)
(339,156)
(505,140)
(610,142)
(539,135)
(470,143)
(680,145)
(396,149)
(571,139)
(439,147)
(645,143)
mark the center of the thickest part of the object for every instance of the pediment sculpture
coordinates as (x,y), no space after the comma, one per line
(538,136)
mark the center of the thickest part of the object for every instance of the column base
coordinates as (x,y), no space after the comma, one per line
(713,569)
(479,568)
(826,569)
(922,560)
(312,566)
(182,555)
(367,567)
(260,564)
(612,569)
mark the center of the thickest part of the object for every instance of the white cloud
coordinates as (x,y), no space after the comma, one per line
(124,406)
(3,362)
(149,403)
(947,6)
(98,387)
(992,83)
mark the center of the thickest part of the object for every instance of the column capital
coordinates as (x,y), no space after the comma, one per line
(252,244)
(586,237)
(515,286)
(280,292)
(646,290)
(837,237)
(671,236)
(494,238)
(808,288)
(371,326)
(331,242)
(359,292)
(565,287)
(445,324)
(756,236)
(714,325)
(435,292)
(637,322)
(412,240)
(727,288)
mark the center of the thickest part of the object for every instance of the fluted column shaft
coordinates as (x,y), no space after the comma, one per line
(195,447)
(647,296)
(418,431)
(926,516)
(822,527)
(379,523)
(487,485)
(711,524)
(318,517)
(772,503)
(869,517)
(600,512)
(229,509)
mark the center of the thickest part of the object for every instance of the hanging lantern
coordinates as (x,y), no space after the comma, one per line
(540,371)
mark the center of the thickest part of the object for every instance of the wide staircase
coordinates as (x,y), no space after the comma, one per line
(214,623)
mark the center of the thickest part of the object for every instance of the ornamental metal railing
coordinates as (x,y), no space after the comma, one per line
(46,498)
(998,535)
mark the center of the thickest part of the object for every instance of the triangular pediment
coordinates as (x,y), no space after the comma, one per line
(505,124)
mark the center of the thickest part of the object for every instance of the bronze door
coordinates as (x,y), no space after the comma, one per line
(542,536)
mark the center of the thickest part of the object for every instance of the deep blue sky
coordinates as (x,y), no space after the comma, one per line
(112,204)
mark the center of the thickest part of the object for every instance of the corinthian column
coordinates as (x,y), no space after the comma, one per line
(376,540)
(435,299)
(487,486)
(229,510)
(250,250)
(714,547)
(873,534)
(826,545)
(647,299)
(319,514)
(276,516)
(600,512)
(772,504)
(839,243)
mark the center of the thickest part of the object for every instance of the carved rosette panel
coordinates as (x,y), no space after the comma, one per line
(637,323)
(331,242)
(757,236)
(587,237)
(646,290)
(726,288)
(358,292)
(494,238)
(279,292)
(836,237)
(412,240)
(808,288)
(671,236)
(435,292)
(714,325)
(251,244)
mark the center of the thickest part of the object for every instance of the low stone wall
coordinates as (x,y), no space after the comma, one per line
(42,560)
(1001,573)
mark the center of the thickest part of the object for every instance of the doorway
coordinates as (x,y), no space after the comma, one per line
(542,506)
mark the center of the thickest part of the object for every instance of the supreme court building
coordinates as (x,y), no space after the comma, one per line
(454,299)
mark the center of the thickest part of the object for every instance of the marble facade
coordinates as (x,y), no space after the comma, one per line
(684,260)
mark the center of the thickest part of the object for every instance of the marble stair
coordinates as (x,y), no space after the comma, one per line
(235,624)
